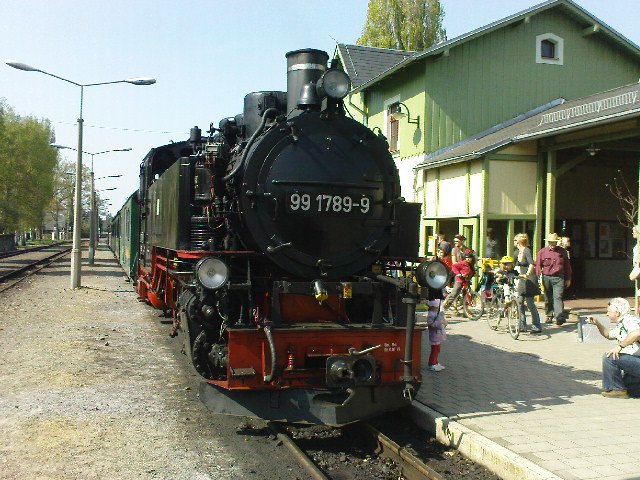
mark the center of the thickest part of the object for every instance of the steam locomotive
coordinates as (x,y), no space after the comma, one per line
(282,248)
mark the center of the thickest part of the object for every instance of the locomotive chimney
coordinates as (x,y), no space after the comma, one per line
(303,66)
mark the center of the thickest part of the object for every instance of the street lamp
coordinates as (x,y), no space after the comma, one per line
(76,253)
(92,219)
(95,215)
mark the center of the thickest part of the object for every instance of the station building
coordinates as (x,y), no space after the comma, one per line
(524,125)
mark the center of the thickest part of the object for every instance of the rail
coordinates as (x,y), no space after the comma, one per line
(17,275)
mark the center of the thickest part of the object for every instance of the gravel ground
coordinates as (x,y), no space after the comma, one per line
(91,386)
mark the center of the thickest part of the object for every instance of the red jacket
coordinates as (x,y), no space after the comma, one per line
(462,268)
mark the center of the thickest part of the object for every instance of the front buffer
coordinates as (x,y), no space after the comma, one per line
(330,374)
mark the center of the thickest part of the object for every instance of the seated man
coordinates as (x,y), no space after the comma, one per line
(626,355)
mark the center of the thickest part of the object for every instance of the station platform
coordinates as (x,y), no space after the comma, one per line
(530,408)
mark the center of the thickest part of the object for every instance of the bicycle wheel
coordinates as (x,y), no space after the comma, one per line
(473,306)
(513,316)
(492,312)
(456,306)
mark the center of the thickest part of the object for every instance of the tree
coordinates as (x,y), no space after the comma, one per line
(403,24)
(27,163)
(63,188)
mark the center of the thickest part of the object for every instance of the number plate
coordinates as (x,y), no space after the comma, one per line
(325,203)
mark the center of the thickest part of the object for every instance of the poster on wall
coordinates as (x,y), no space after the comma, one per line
(590,240)
(605,249)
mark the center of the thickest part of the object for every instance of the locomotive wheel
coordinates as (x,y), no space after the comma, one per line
(199,353)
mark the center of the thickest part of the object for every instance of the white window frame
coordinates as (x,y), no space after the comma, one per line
(559,59)
(387,103)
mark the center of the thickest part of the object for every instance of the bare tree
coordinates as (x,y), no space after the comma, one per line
(627,200)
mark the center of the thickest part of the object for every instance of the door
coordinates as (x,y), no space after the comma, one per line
(469,228)
(427,242)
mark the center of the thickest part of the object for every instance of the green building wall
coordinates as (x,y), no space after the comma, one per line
(492,78)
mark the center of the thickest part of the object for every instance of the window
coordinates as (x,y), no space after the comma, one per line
(392,130)
(549,49)
(392,107)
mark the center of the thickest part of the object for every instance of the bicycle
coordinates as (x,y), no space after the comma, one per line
(501,303)
(469,301)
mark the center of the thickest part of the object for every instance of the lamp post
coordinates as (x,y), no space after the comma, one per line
(92,222)
(95,217)
(76,253)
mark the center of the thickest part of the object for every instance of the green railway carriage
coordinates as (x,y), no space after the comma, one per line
(125,235)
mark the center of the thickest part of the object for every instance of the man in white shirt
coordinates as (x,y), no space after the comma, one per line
(626,355)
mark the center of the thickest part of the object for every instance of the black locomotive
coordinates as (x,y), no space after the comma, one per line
(284,250)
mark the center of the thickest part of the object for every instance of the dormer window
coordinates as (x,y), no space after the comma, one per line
(549,49)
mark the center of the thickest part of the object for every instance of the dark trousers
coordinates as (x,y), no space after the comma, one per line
(553,290)
(612,370)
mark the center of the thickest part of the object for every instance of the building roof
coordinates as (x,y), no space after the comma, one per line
(365,63)
(550,119)
(588,21)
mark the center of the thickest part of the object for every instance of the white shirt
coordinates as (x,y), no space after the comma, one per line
(626,325)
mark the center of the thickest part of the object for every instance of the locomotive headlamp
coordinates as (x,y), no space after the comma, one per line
(334,84)
(212,273)
(433,274)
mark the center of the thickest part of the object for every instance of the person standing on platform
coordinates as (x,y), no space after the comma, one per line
(634,276)
(490,245)
(528,287)
(552,262)
(436,322)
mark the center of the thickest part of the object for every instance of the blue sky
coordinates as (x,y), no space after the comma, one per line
(205,55)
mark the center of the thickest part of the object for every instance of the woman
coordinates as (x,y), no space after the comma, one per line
(529,285)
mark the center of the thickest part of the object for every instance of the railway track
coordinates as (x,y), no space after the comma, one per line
(11,275)
(22,251)
(375,454)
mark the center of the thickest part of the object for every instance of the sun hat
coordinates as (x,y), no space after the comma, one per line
(552,237)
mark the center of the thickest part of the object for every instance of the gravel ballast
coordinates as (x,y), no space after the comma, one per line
(92,386)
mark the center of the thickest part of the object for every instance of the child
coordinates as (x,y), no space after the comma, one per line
(506,272)
(436,323)
(444,253)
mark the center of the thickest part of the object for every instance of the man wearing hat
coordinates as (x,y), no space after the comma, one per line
(552,263)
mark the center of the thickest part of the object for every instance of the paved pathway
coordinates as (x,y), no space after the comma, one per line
(538,396)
